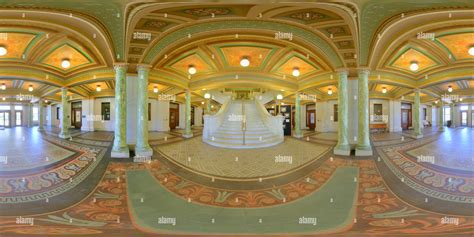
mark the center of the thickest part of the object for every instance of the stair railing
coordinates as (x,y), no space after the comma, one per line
(273,123)
(213,122)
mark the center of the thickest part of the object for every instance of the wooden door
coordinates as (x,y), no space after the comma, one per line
(76,117)
(406,119)
(311,119)
(174,118)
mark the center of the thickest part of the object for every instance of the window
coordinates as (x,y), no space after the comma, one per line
(424,114)
(18,107)
(149,111)
(447,114)
(4,107)
(57,113)
(18,118)
(335,113)
(105,107)
(464,107)
(35,113)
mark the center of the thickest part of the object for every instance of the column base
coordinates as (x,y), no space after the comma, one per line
(64,136)
(188,135)
(123,152)
(143,151)
(342,150)
(363,151)
(417,136)
(298,135)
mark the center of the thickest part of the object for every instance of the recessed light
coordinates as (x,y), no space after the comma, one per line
(30,88)
(207,96)
(4,98)
(3,51)
(65,63)
(471,51)
(329,91)
(384,90)
(414,66)
(202,102)
(244,62)
(3,86)
(279,96)
(98,88)
(155,89)
(296,72)
(450,89)
(192,70)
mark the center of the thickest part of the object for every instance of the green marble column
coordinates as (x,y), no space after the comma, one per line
(208,106)
(142,148)
(298,133)
(342,147)
(120,147)
(187,129)
(64,119)
(453,117)
(441,115)
(29,115)
(40,114)
(363,146)
(417,125)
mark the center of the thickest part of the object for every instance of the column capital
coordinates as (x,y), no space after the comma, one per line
(143,67)
(342,70)
(120,65)
(363,70)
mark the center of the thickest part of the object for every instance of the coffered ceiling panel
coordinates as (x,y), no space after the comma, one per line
(54,57)
(195,59)
(233,54)
(404,60)
(458,44)
(16,44)
(296,62)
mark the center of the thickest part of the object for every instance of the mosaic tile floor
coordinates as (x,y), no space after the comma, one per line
(383,206)
(251,163)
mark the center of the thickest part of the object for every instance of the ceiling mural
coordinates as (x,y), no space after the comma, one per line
(256,54)
(296,61)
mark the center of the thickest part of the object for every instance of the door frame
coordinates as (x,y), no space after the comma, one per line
(5,112)
(75,123)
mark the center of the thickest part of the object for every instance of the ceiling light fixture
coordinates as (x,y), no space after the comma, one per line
(450,89)
(471,51)
(279,97)
(155,89)
(329,91)
(414,66)
(460,99)
(30,88)
(4,98)
(3,86)
(384,90)
(98,88)
(207,96)
(65,63)
(245,62)
(3,51)
(296,72)
(192,70)
(436,102)
(202,102)
(45,101)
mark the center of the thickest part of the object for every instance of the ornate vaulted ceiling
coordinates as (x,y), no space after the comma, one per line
(325,36)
